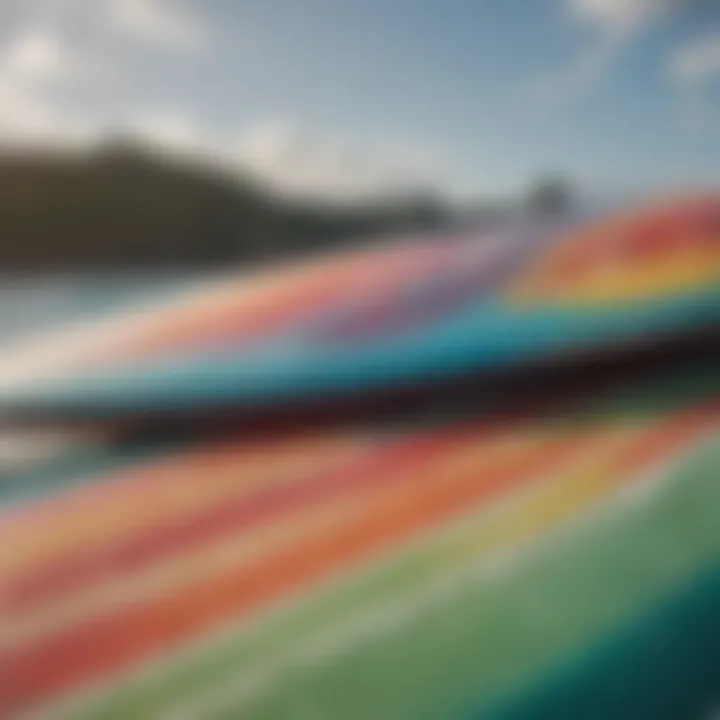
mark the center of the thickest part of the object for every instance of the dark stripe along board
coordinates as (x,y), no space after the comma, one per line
(404,314)
(493,567)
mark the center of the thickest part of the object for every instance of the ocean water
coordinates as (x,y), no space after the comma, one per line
(30,305)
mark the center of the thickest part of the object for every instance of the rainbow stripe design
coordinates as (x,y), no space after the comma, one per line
(404,574)
(558,561)
(401,314)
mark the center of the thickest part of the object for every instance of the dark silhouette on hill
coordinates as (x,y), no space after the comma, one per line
(123,206)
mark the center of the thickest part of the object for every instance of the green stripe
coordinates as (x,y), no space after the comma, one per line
(497,637)
(662,666)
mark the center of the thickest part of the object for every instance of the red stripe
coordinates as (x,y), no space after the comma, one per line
(270,505)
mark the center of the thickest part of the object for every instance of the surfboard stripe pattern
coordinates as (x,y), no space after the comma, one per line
(253,578)
(557,561)
(396,314)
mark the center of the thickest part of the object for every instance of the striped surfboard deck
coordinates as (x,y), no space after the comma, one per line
(465,568)
(402,314)
(557,558)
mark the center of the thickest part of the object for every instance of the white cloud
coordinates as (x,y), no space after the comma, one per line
(621,16)
(34,64)
(697,62)
(297,164)
(160,22)
(40,55)
(21,110)
(170,24)
(269,143)
(169,130)
(28,116)
(292,162)
(616,24)
(55,50)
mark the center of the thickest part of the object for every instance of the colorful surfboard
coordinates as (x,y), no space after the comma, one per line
(550,553)
(402,314)
(560,563)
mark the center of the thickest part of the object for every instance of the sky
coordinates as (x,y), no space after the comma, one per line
(347,98)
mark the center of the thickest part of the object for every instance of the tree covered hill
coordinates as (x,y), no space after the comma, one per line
(122,206)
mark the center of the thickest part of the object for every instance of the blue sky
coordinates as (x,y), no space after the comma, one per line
(353,96)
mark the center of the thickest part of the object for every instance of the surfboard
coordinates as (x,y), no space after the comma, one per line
(559,561)
(549,549)
(400,314)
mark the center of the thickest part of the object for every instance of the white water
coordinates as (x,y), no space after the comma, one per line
(29,305)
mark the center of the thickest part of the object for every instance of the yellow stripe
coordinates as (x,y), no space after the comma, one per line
(623,282)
